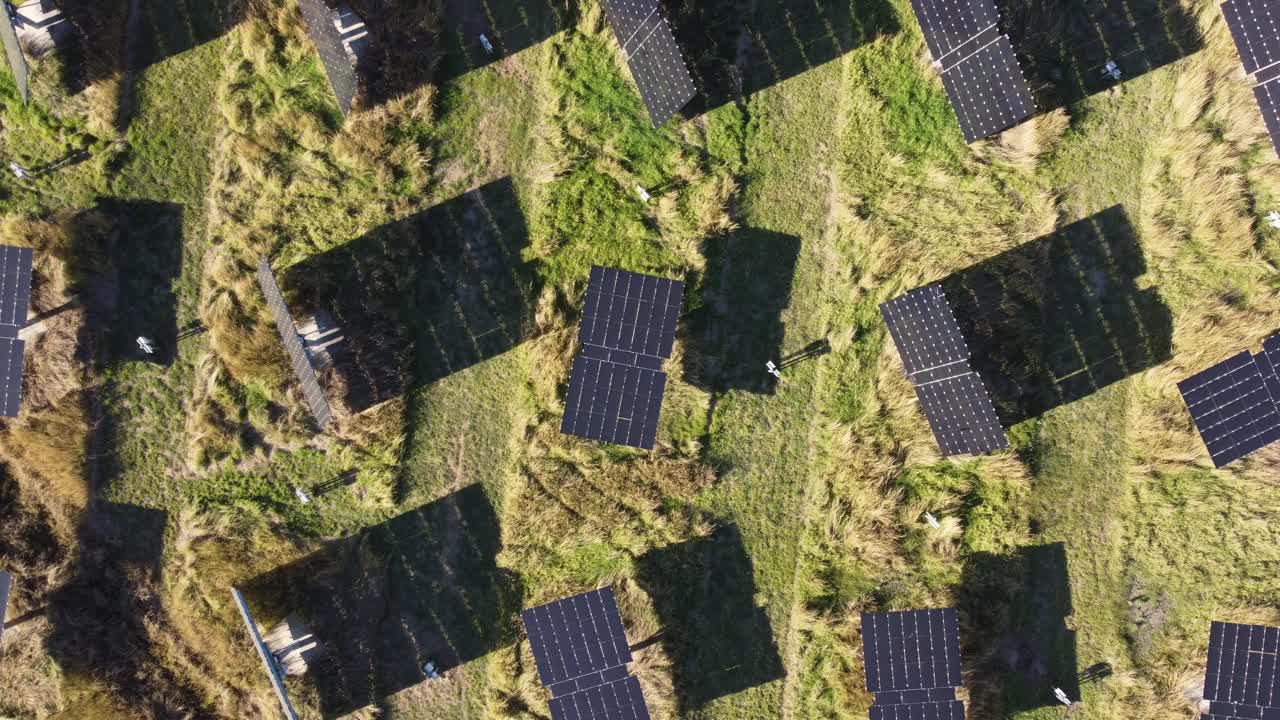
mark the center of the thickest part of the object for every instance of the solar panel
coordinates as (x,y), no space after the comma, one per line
(1242,674)
(949,24)
(911,650)
(961,415)
(15,289)
(987,90)
(324,35)
(924,330)
(1267,95)
(312,394)
(616,385)
(1255,28)
(952,710)
(576,639)
(11,356)
(652,54)
(618,700)
(273,672)
(6,581)
(1231,408)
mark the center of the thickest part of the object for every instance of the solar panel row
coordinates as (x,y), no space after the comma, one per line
(650,48)
(580,650)
(935,356)
(616,384)
(312,394)
(319,18)
(1232,407)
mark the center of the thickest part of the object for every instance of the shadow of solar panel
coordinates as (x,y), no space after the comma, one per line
(312,394)
(961,415)
(618,700)
(511,26)
(1255,28)
(650,48)
(924,330)
(1231,408)
(987,90)
(319,18)
(13,51)
(578,642)
(1242,672)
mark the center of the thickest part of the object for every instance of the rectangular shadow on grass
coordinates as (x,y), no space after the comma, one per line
(736,49)
(146,262)
(718,640)
(1062,316)
(422,587)
(100,46)
(734,325)
(422,298)
(1064,45)
(509,25)
(1013,611)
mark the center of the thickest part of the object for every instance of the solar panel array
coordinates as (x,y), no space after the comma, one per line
(324,35)
(652,54)
(1255,28)
(580,650)
(1235,404)
(1242,675)
(312,394)
(912,661)
(935,357)
(616,385)
(980,71)
(15,299)
(273,672)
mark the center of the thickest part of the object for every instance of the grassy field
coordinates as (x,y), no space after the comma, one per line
(1096,254)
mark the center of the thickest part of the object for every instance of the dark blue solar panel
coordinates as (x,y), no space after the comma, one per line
(1242,676)
(11,356)
(15,289)
(631,312)
(575,641)
(618,700)
(1255,28)
(911,650)
(952,710)
(1232,408)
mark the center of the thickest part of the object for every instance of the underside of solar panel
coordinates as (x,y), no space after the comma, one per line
(312,394)
(935,357)
(1242,672)
(980,71)
(912,661)
(616,385)
(1234,403)
(650,48)
(581,653)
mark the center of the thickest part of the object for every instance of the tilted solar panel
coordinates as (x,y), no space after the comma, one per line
(650,48)
(911,650)
(987,90)
(1231,408)
(1255,28)
(11,358)
(1267,95)
(949,24)
(616,385)
(312,393)
(961,415)
(951,710)
(924,330)
(1242,675)
(13,51)
(268,661)
(15,289)
(618,700)
(576,640)
(319,18)
(6,581)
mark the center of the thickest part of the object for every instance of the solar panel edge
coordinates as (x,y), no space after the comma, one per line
(304,373)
